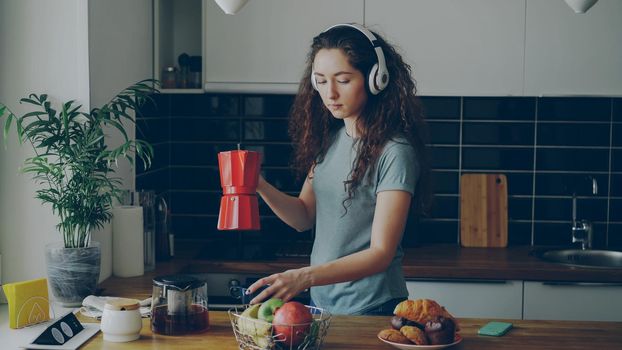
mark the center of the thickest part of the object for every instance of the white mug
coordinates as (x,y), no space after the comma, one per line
(121,321)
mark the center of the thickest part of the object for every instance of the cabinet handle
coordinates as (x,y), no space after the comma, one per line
(585,284)
(456,280)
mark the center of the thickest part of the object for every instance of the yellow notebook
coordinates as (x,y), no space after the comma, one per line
(28,302)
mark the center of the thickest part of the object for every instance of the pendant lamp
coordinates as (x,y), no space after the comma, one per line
(231,7)
(580,6)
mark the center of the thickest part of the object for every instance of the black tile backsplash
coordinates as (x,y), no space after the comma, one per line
(556,184)
(617,109)
(265,130)
(589,109)
(519,208)
(156,130)
(444,132)
(211,105)
(615,213)
(549,148)
(445,207)
(195,178)
(268,106)
(616,136)
(445,182)
(444,157)
(520,184)
(616,185)
(202,129)
(198,153)
(496,158)
(499,108)
(551,233)
(437,107)
(616,159)
(521,233)
(573,134)
(573,159)
(497,133)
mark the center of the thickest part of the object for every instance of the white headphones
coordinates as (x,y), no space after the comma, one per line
(378,78)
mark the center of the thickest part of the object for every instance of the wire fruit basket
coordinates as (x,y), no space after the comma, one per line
(256,334)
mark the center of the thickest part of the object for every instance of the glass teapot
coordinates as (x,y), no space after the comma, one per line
(179,305)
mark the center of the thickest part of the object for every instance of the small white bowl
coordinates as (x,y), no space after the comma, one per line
(121,321)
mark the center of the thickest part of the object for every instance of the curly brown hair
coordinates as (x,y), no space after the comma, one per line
(394,112)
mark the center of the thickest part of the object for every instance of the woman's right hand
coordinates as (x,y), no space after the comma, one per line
(285,285)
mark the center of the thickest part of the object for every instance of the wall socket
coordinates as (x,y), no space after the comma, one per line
(2,297)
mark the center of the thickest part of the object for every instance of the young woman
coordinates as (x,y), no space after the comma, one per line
(359,141)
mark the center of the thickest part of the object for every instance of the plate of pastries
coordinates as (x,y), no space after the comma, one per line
(421,324)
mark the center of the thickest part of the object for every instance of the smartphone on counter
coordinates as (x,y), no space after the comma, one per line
(495,329)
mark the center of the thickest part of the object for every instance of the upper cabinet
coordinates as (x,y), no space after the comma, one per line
(461,48)
(455,48)
(178,45)
(573,54)
(264,46)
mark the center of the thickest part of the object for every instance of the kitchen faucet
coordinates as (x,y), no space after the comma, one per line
(582,230)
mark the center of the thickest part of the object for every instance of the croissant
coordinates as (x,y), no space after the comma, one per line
(422,311)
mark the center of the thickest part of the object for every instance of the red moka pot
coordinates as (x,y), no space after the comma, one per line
(239,174)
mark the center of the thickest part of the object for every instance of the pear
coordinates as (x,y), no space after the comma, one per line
(252,311)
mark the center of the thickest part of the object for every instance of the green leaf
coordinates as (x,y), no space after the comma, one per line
(119,126)
(33,114)
(20,131)
(7,126)
(28,100)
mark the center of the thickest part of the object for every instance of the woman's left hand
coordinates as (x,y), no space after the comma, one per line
(284,285)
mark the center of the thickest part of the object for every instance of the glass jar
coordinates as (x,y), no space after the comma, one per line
(169,75)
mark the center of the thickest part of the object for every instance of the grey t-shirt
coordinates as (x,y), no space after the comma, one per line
(338,235)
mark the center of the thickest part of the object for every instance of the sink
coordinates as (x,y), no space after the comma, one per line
(584,258)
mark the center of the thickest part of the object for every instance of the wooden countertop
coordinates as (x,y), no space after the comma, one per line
(359,332)
(442,262)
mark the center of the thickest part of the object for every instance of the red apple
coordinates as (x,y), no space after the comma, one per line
(292,323)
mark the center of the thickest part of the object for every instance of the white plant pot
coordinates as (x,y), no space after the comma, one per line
(72,272)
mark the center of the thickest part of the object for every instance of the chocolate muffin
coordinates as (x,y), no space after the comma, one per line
(440,330)
(399,322)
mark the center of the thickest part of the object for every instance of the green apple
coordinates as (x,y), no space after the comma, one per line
(267,309)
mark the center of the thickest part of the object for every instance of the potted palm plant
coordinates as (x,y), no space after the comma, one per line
(74,170)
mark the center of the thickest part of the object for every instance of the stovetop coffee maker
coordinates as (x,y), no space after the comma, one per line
(179,305)
(239,175)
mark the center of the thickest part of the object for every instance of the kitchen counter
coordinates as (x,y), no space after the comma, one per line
(442,262)
(359,332)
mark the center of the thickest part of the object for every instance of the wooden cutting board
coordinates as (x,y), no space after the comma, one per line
(483,210)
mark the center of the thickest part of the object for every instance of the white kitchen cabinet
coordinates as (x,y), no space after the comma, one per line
(573,54)
(263,47)
(462,48)
(472,299)
(573,301)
